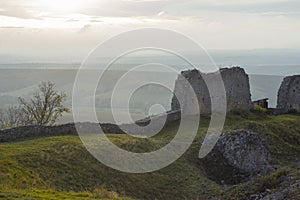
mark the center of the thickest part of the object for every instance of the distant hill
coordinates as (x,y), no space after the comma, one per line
(23,82)
(265,86)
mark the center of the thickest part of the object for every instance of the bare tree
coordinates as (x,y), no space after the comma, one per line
(2,119)
(13,116)
(45,107)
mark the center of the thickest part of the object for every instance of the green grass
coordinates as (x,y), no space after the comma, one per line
(59,167)
(61,163)
(57,195)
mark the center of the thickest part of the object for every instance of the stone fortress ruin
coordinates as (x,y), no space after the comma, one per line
(237,87)
(236,83)
(288,98)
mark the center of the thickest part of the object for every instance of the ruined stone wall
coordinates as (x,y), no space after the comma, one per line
(12,134)
(7,135)
(288,97)
(237,88)
(236,83)
(182,90)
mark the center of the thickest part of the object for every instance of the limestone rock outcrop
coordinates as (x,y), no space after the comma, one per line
(237,156)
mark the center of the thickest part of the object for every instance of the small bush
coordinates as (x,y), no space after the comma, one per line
(259,109)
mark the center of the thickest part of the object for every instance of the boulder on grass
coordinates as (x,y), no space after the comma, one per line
(237,156)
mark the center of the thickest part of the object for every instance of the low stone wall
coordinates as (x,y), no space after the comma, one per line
(22,132)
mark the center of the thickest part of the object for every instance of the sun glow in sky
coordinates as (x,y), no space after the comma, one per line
(41,27)
(62,5)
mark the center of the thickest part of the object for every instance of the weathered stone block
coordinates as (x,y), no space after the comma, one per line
(289,94)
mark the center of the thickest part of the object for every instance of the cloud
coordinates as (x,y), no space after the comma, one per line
(85,28)
(14,8)
(161,13)
(96,21)
(142,1)
(32,9)
(17,12)
(72,20)
(194,7)
(12,27)
(214,23)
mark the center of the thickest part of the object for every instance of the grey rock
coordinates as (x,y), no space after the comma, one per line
(237,156)
(282,193)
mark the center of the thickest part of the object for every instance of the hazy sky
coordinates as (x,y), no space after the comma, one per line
(74,27)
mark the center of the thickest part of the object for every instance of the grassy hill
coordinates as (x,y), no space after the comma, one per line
(59,167)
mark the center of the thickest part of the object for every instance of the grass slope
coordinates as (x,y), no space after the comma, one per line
(59,167)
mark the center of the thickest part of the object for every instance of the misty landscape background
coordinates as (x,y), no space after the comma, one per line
(20,77)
